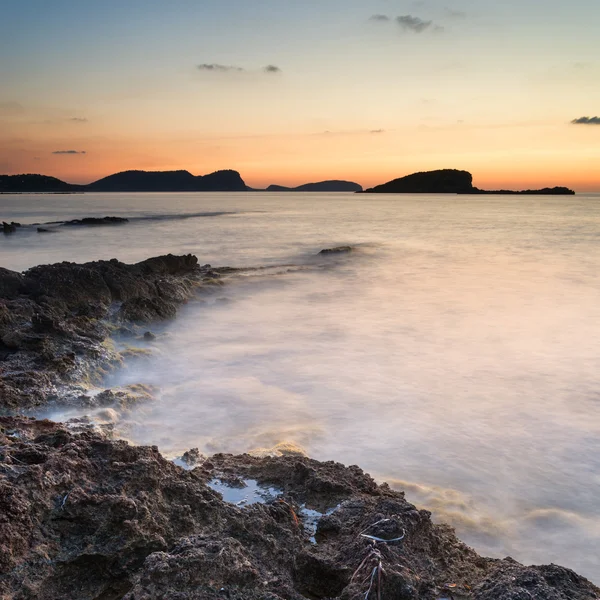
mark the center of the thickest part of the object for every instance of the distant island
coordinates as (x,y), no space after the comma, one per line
(321,186)
(450,181)
(443,181)
(130,181)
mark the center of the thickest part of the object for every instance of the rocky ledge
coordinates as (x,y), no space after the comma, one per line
(85,517)
(56,321)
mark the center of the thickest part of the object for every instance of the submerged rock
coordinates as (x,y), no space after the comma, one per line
(337,250)
(98,221)
(85,517)
(9,227)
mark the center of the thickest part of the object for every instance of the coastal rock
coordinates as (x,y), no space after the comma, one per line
(337,250)
(9,227)
(85,517)
(55,320)
(92,221)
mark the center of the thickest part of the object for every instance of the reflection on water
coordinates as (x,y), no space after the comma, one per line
(454,354)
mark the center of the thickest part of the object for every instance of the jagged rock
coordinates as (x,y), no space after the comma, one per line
(92,221)
(337,250)
(82,516)
(53,312)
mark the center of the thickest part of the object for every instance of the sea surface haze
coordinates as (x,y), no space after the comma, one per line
(455,353)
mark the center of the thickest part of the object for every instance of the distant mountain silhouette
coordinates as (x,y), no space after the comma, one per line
(449,181)
(131,181)
(35,183)
(321,186)
(445,181)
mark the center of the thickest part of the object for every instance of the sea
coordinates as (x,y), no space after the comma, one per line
(454,353)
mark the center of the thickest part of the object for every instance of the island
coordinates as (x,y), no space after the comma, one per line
(449,181)
(320,186)
(130,181)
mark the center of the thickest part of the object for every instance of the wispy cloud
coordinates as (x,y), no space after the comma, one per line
(215,67)
(78,120)
(377,131)
(379,18)
(218,68)
(414,24)
(452,13)
(586,121)
(69,152)
(271,69)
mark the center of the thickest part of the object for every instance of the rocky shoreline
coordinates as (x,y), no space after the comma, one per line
(56,321)
(89,517)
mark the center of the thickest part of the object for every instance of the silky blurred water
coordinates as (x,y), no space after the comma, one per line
(455,354)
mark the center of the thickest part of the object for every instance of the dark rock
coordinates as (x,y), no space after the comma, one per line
(337,250)
(11,284)
(444,181)
(54,320)
(449,181)
(45,230)
(555,191)
(91,221)
(149,336)
(85,517)
(192,457)
(8,227)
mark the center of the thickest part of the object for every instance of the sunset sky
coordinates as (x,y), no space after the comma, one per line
(288,92)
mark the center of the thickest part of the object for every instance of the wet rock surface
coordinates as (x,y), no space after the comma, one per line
(337,250)
(85,517)
(56,321)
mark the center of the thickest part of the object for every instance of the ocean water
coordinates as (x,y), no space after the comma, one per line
(454,354)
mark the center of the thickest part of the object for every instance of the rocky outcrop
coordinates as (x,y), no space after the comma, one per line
(337,250)
(85,517)
(130,181)
(321,186)
(451,181)
(444,181)
(55,320)
(169,181)
(94,221)
(554,191)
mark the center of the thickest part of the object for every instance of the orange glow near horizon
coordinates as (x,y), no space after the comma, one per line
(498,158)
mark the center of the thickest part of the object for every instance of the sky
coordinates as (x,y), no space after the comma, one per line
(289,92)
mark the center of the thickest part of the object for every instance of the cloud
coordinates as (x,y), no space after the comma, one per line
(78,120)
(455,14)
(379,18)
(377,131)
(69,152)
(586,121)
(215,67)
(410,23)
(271,69)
